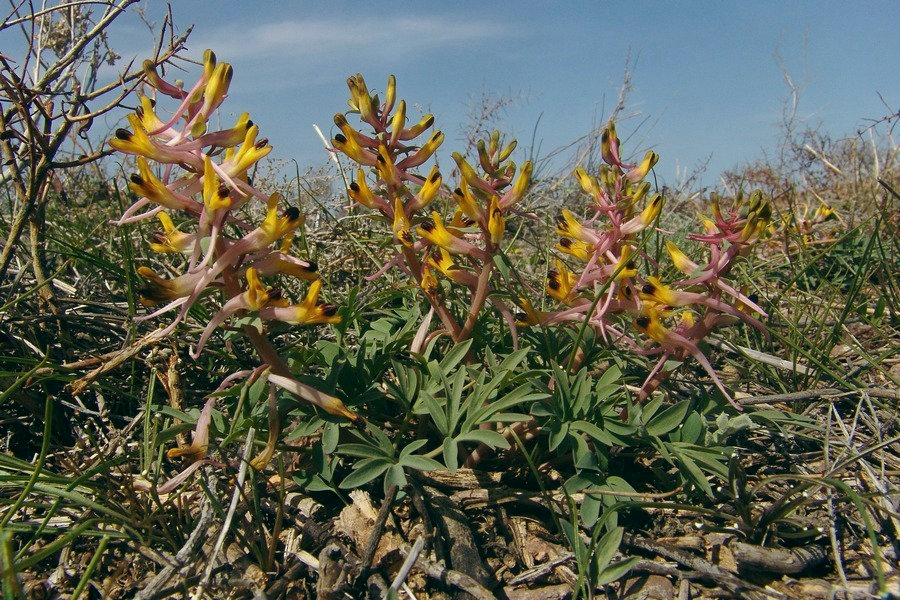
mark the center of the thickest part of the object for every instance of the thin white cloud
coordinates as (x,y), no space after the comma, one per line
(330,39)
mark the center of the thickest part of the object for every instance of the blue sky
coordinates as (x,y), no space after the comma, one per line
(706,77)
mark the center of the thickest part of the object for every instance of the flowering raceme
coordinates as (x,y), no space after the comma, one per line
(204,178)
(606,247)
(461,248)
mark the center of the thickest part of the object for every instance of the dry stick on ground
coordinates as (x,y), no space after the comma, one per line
(885,393)
(702,566)
(188,551)
(777,560)
(377,529)
(457,535)
(112,361)
(408,563)
(451,577)
(238,486)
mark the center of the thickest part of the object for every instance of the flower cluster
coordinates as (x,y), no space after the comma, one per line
(803,224)
(605,290)
(607,284)
(461,249)
(203,178)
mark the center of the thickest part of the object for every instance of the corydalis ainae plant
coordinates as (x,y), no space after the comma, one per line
(203,178)
(606,284)
(460,249)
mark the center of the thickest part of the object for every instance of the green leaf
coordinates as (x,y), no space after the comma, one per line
(617,484)
(650,407)
(590,511)
(362,451)
(455,356)
(607,548)
(558,434)
(594,432)
(522,394)
(330,435)
(395,475)
(421,463)
(692,428)
(312,483)
(484,436)
(615,571)
(450,451)
(384,442)
(668,419)
(693,473)
(411,447)
(575,541)
(328,351)
(365,471)
(436,412)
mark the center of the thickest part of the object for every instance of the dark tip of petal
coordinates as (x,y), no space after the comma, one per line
(340,120)
(648,288)
(406,237)
(565,242)
(642,322)
(630,264)
(428,226)
(380,159)
(223,191)
(458,192)
(292,213)
(520,316)
(249,124)
(136,179)
(275,294)
(261,144)
(754,298)
(139,112)
(553,283)
(354,186)
(312,266)
(329,310)
(435,177)
(627,291)
(430,121)
(561,223)
(123,134)
(153,294)
(159,237)
(340,139)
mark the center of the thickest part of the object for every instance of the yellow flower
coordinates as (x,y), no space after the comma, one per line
(680,260)
(496,222)
(308,312)
(248,154)
(428,191)
(575,248)
(435,233)
(560,283)
(171,240)
(650,325)
(568,225)
(146,185)
(401,224)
